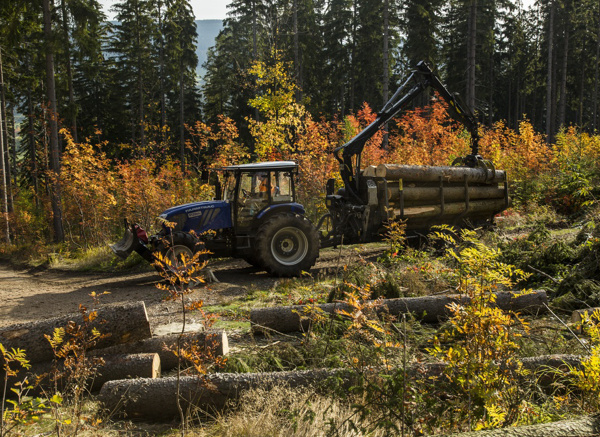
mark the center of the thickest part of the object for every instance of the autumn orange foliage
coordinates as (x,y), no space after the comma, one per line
(217,145)
(427,136)
(88,188)
(522,153)
(98,192)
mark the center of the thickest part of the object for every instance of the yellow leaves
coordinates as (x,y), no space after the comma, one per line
(481,335)
(521,153)
(275,87)
(57,337)
(13,356)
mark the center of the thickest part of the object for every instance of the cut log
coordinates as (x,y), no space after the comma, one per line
(577,315)
(369,171)
(115,367)
(428,309)
(476,207)
(587,426)
(122,324)
(451,194)
(216,341)
(155,400)
(423,173)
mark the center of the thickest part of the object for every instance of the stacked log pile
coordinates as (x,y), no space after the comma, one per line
(126,346)
(439,194)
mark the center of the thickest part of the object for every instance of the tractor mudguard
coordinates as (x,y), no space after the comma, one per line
(278,208)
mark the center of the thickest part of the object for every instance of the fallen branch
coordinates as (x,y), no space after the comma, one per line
(556,281)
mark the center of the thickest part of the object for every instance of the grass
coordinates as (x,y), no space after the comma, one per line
(284,411)
(295,412)
(99,259)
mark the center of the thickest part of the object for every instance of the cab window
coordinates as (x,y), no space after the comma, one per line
(281,181)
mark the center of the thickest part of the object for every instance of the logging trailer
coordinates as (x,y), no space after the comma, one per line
(255,215)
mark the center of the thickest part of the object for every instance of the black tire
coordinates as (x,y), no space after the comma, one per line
(180,243)
(255,263)
(287,245)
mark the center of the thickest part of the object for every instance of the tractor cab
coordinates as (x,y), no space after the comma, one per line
(254,191)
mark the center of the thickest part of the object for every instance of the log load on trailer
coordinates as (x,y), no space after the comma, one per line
(255,215)
(468,193)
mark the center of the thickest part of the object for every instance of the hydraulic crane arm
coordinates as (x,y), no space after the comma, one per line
(420,80)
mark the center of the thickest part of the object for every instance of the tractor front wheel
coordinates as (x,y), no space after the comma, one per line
(287,245)
(177,249)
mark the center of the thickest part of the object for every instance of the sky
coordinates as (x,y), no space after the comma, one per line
(213,9)
(203,9)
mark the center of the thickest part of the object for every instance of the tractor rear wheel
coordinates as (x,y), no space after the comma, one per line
(287,245)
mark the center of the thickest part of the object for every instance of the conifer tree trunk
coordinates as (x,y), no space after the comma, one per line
(161,59)
(549,106)
(297,66)
(140,91)
(596,75)
(13,146)
(386,65)
(353,55)
(471,54)
(255,47)
(32,149)
(55,194)
(72,107)
(563,82)
(6,154)
(4,187)
(181,118)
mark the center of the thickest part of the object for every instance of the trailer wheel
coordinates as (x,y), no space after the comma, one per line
(286,245)
(177,249)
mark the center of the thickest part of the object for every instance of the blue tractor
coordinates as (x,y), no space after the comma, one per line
(254,216)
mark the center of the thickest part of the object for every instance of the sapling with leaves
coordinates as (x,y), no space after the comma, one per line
(586,378)
(74,369)
(24,409)
(376,355)
(395,236)
(181,272)
(480,345)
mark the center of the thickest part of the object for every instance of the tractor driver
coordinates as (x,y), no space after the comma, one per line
(263,187)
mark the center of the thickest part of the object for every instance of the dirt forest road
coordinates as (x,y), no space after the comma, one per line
(38,293)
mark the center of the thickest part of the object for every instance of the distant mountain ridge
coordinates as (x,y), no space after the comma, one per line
(207,33)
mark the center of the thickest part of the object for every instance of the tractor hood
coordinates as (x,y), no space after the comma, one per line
(200,216)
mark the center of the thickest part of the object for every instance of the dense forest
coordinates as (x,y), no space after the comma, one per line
(128,89)
(420,333)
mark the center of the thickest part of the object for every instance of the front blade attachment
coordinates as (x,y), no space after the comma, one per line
(126,245)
